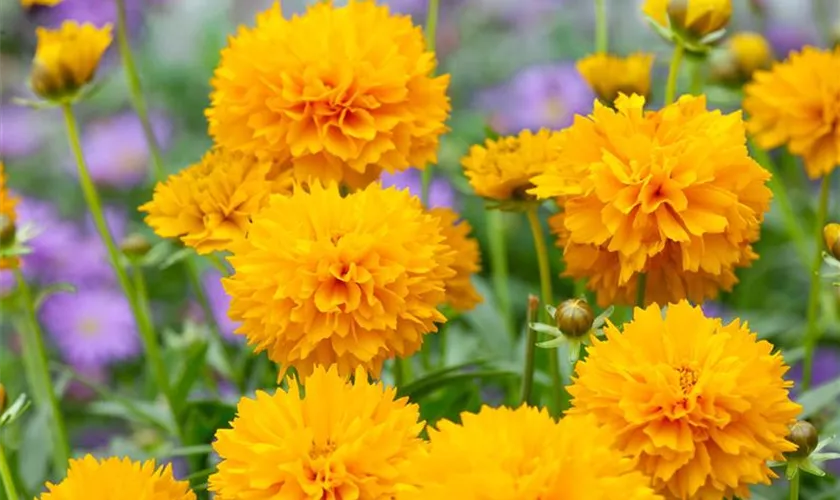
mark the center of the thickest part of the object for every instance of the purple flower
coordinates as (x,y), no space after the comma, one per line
(219,303)
(92,328)
(785,37)
(441,193)
(96,12)
(539,96)
(116,150)
(826,368)
(22,130)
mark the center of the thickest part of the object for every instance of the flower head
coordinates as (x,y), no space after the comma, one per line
(501,453)
(751,51)
(610,75)
(66,59)
(703,406)
(797,103)
(110,478)
(92,327)
(671,194)
(503,169)
(696,17)
(209,204)
(342,440)
(460,292)
(326,279)
(339,93)
(831,233)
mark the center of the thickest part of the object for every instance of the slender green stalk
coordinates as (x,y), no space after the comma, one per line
(141,317)
(35,353)
(431,45)
(497,240)
(794,487)
(530,352)
(601,32)
(813,334)
(673,73)
(399,372)
(780,194)
(696,76)
(6,476)
(641,288)
(137,98)
(547,299)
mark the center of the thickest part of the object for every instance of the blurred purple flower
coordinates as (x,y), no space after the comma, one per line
(78,391)
(96,12)
(826,369)
(116,151)
(714,309)
(786,37)
(22,130)
(219,303)
(411,7)
(441,193)
(92,328)
(538,96)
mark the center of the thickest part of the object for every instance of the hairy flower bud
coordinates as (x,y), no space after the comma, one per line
(135,245)
(804,435)
(574,317)
(831,232)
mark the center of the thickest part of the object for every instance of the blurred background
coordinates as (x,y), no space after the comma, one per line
(513,67)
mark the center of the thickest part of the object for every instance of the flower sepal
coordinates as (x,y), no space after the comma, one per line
(692,43)
(811,463)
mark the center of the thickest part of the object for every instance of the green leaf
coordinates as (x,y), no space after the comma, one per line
(417,393)
(434,376)
(52,289)
(13,412)
(193,364)
(818,398)
(204,417)
(185,451)
(35,451)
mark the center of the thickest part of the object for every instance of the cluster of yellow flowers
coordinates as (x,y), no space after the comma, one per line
(334,274)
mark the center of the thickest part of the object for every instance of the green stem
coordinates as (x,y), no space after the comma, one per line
(547,299)
(641,288)
(6,476)
(431,45)
(696,76)
(530,354)
(673,73)
(497,241)
(42,386)
(601,33)
(794,487)
(812,337)
(94,203)
(137,98)
(399,379)
(780,195)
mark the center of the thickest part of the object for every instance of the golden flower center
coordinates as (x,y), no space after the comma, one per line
(323,450)
(688,377)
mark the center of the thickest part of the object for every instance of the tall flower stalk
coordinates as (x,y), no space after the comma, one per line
(6,476)
(94,203)
(601,32)
(35,358)
(812,336)
(431,44)
(674,73)
(547,299)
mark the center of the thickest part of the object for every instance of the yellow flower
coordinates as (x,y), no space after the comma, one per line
(111,478)
(66,59)
(671,194)
(340,92)
(350,281)
(503,168)
(209,204)
(523,454)
(342,440)
(831,232)
(696,17)
(48,3)
(797,103)
(8,212)
(751,52)
(702,405)
(460,292)
(610,75)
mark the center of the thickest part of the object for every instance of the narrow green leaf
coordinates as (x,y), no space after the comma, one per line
(193,364)
(419,392)
(818,398)
(52,289)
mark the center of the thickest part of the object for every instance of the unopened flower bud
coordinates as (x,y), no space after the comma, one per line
(699,18)
(135,245)
(4,399)
(66,59)
(574,317)
(831,231)
(751,52)
(8,230)
(805,437)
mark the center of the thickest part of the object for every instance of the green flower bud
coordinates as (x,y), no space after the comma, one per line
(805,437)
(135,245)
(8,231)
(574,317)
